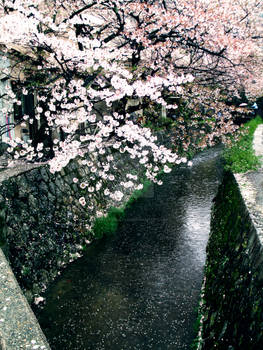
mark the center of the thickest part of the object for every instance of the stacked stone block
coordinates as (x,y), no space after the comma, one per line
(43,225)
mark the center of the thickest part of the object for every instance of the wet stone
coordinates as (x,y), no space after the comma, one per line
(43,188)
(51,198)
(44,174)
(52,188)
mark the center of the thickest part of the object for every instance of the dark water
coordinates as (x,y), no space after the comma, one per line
(140,288)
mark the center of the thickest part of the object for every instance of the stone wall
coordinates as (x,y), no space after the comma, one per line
(43,225)
(233,299)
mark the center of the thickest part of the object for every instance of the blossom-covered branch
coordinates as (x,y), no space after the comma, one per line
(89,64)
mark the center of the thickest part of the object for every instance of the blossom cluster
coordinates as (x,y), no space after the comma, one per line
(89,63)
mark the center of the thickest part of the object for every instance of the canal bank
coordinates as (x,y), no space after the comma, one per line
(232,304)
(140,288)
(245,199)
(43,228)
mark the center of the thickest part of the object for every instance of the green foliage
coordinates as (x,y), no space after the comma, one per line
(107,225)
(196,327)
(240,156)
(158,123)
(137,194)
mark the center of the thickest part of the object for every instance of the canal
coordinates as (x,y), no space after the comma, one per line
(140,288)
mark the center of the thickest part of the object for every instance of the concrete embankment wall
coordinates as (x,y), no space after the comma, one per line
(233,288)
(19,328)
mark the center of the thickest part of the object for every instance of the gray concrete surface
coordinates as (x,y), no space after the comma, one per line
(258,141)
(19,328)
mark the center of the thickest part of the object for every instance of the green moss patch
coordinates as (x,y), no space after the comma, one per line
(240,156)
(107,225)
(233,284)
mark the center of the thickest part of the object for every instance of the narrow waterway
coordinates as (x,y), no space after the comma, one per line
(140,289)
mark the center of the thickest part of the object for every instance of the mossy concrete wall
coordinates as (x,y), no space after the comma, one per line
(233,290)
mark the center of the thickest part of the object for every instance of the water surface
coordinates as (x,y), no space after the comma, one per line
(140,289)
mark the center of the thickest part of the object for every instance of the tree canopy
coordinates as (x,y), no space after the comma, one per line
(90,64)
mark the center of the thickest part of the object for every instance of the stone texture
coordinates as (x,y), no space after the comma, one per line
(42,229)
(19,328)
(232,306)
(40,215)
(258,141)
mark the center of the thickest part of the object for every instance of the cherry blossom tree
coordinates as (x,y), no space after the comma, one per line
(90,64)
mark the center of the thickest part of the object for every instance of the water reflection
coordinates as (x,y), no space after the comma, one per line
(139,289)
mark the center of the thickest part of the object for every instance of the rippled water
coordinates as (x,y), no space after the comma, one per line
(140,288)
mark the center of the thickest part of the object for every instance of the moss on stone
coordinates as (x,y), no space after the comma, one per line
(107,225)
(232,302)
